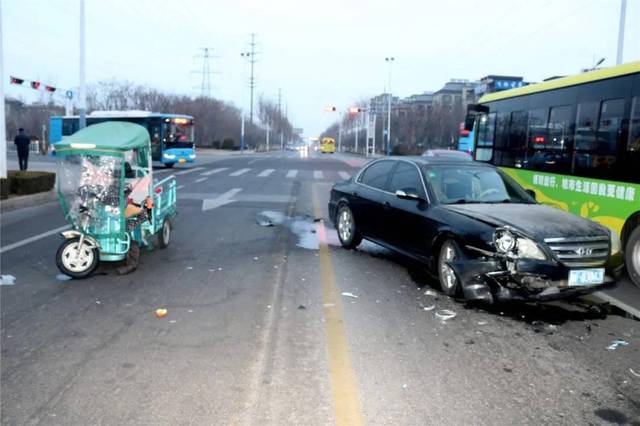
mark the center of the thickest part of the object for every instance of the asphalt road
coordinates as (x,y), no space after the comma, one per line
(259,332)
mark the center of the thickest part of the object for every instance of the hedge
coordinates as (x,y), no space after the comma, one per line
(24,183)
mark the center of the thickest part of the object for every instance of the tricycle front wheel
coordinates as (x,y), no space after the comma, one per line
(77,262)
(164,236)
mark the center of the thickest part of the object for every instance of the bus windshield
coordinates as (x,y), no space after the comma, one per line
(179,135)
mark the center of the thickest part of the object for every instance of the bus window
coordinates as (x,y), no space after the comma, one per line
(538,128)
(587,117)
(517,138)
(633,143)
(486,135)
(610,125)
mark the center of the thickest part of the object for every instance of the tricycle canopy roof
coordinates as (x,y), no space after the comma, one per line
(118,136)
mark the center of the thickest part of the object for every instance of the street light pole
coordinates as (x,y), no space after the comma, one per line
(623,13)
(3,129)
(389,60)
(82,101)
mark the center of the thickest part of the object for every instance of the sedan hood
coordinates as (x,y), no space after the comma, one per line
(536,220)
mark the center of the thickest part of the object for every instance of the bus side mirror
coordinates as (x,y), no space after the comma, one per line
(469,121)
(531,193)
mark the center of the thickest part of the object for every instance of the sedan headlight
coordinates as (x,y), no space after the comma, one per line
(528,249)
(170,156)
(616,246)
(506,241)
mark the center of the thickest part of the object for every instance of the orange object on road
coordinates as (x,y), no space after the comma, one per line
(161,312)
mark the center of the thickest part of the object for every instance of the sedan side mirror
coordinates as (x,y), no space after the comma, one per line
(531,193)
(406,195)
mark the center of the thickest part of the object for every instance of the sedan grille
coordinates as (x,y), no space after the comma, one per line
(580,251)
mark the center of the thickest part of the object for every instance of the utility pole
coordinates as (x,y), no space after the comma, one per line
(242,131)
(280,118)
(82,98)
(205,85)
(251,57)
(623,13)
(389,60)
(268,136)
(3,128)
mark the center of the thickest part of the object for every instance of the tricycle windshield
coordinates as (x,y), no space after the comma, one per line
(91,190)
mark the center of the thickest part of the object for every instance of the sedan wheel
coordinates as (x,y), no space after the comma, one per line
(632,254)
(448,280)
(348,232)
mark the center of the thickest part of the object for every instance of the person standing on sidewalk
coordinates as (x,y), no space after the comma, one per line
(22,145)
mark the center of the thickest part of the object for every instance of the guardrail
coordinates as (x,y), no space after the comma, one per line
(34,147)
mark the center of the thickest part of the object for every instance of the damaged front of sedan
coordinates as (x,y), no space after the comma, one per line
(534,252)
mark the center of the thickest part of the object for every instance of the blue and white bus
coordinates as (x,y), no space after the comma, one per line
(171,134)
(465,139)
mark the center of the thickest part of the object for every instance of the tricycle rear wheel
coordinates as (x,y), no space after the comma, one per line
(164,236)
(74,264)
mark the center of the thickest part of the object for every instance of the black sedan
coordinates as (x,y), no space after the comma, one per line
(479,232)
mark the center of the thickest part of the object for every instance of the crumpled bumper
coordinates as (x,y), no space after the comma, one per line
(497,279)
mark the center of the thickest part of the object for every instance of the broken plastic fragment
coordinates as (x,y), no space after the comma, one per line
(431,293)
(348,294)
(161,312)
(445,314)
(302,307)
(429,308)
(634,373)
(483,322)
(614,344)
(329,305)
(63,277)
(7,280)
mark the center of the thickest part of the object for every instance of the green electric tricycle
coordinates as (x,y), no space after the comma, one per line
(108,195)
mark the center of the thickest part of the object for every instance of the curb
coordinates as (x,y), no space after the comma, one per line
(617,303)
(24,201)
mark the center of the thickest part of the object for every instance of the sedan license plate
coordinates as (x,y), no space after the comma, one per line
(580,277)
(182,160)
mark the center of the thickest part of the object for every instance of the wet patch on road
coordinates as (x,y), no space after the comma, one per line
(305,228)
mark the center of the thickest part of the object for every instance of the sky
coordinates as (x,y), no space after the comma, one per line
(318,53)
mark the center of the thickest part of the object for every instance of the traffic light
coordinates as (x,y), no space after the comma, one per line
(330,108)
(50,89)
(35,85)
(16,80)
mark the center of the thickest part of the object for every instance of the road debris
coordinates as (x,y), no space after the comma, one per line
(63,277)
(614,344)
(634,373)
(348,294)
(431,293)
(445,314)
(189,268)
(429,308)
(161,312)
(172,321)
(301,307)
(483,322)
(98,302)
(255,258)
(329,305)
(7,280)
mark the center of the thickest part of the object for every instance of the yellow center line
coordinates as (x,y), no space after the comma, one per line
(346,400)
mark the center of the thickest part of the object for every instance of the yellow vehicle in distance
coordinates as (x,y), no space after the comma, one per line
(327,146)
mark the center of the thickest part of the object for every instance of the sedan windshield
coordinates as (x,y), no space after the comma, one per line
(473,184)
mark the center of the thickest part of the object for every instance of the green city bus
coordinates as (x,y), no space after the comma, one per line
(574,141)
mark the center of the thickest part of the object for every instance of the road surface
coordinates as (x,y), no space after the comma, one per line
(270,322)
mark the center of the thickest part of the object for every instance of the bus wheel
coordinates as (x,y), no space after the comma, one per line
(168,165)
(632,256)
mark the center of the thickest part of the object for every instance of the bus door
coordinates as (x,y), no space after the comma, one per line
(155,132)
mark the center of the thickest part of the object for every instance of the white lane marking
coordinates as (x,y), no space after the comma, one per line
(344,175)
(317,174)
(187,171)
(226,198)
(32,239)
(162,171)
(180,187)
(292,173)
(239,172)
(214,171)
(202,179)
(266,172)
